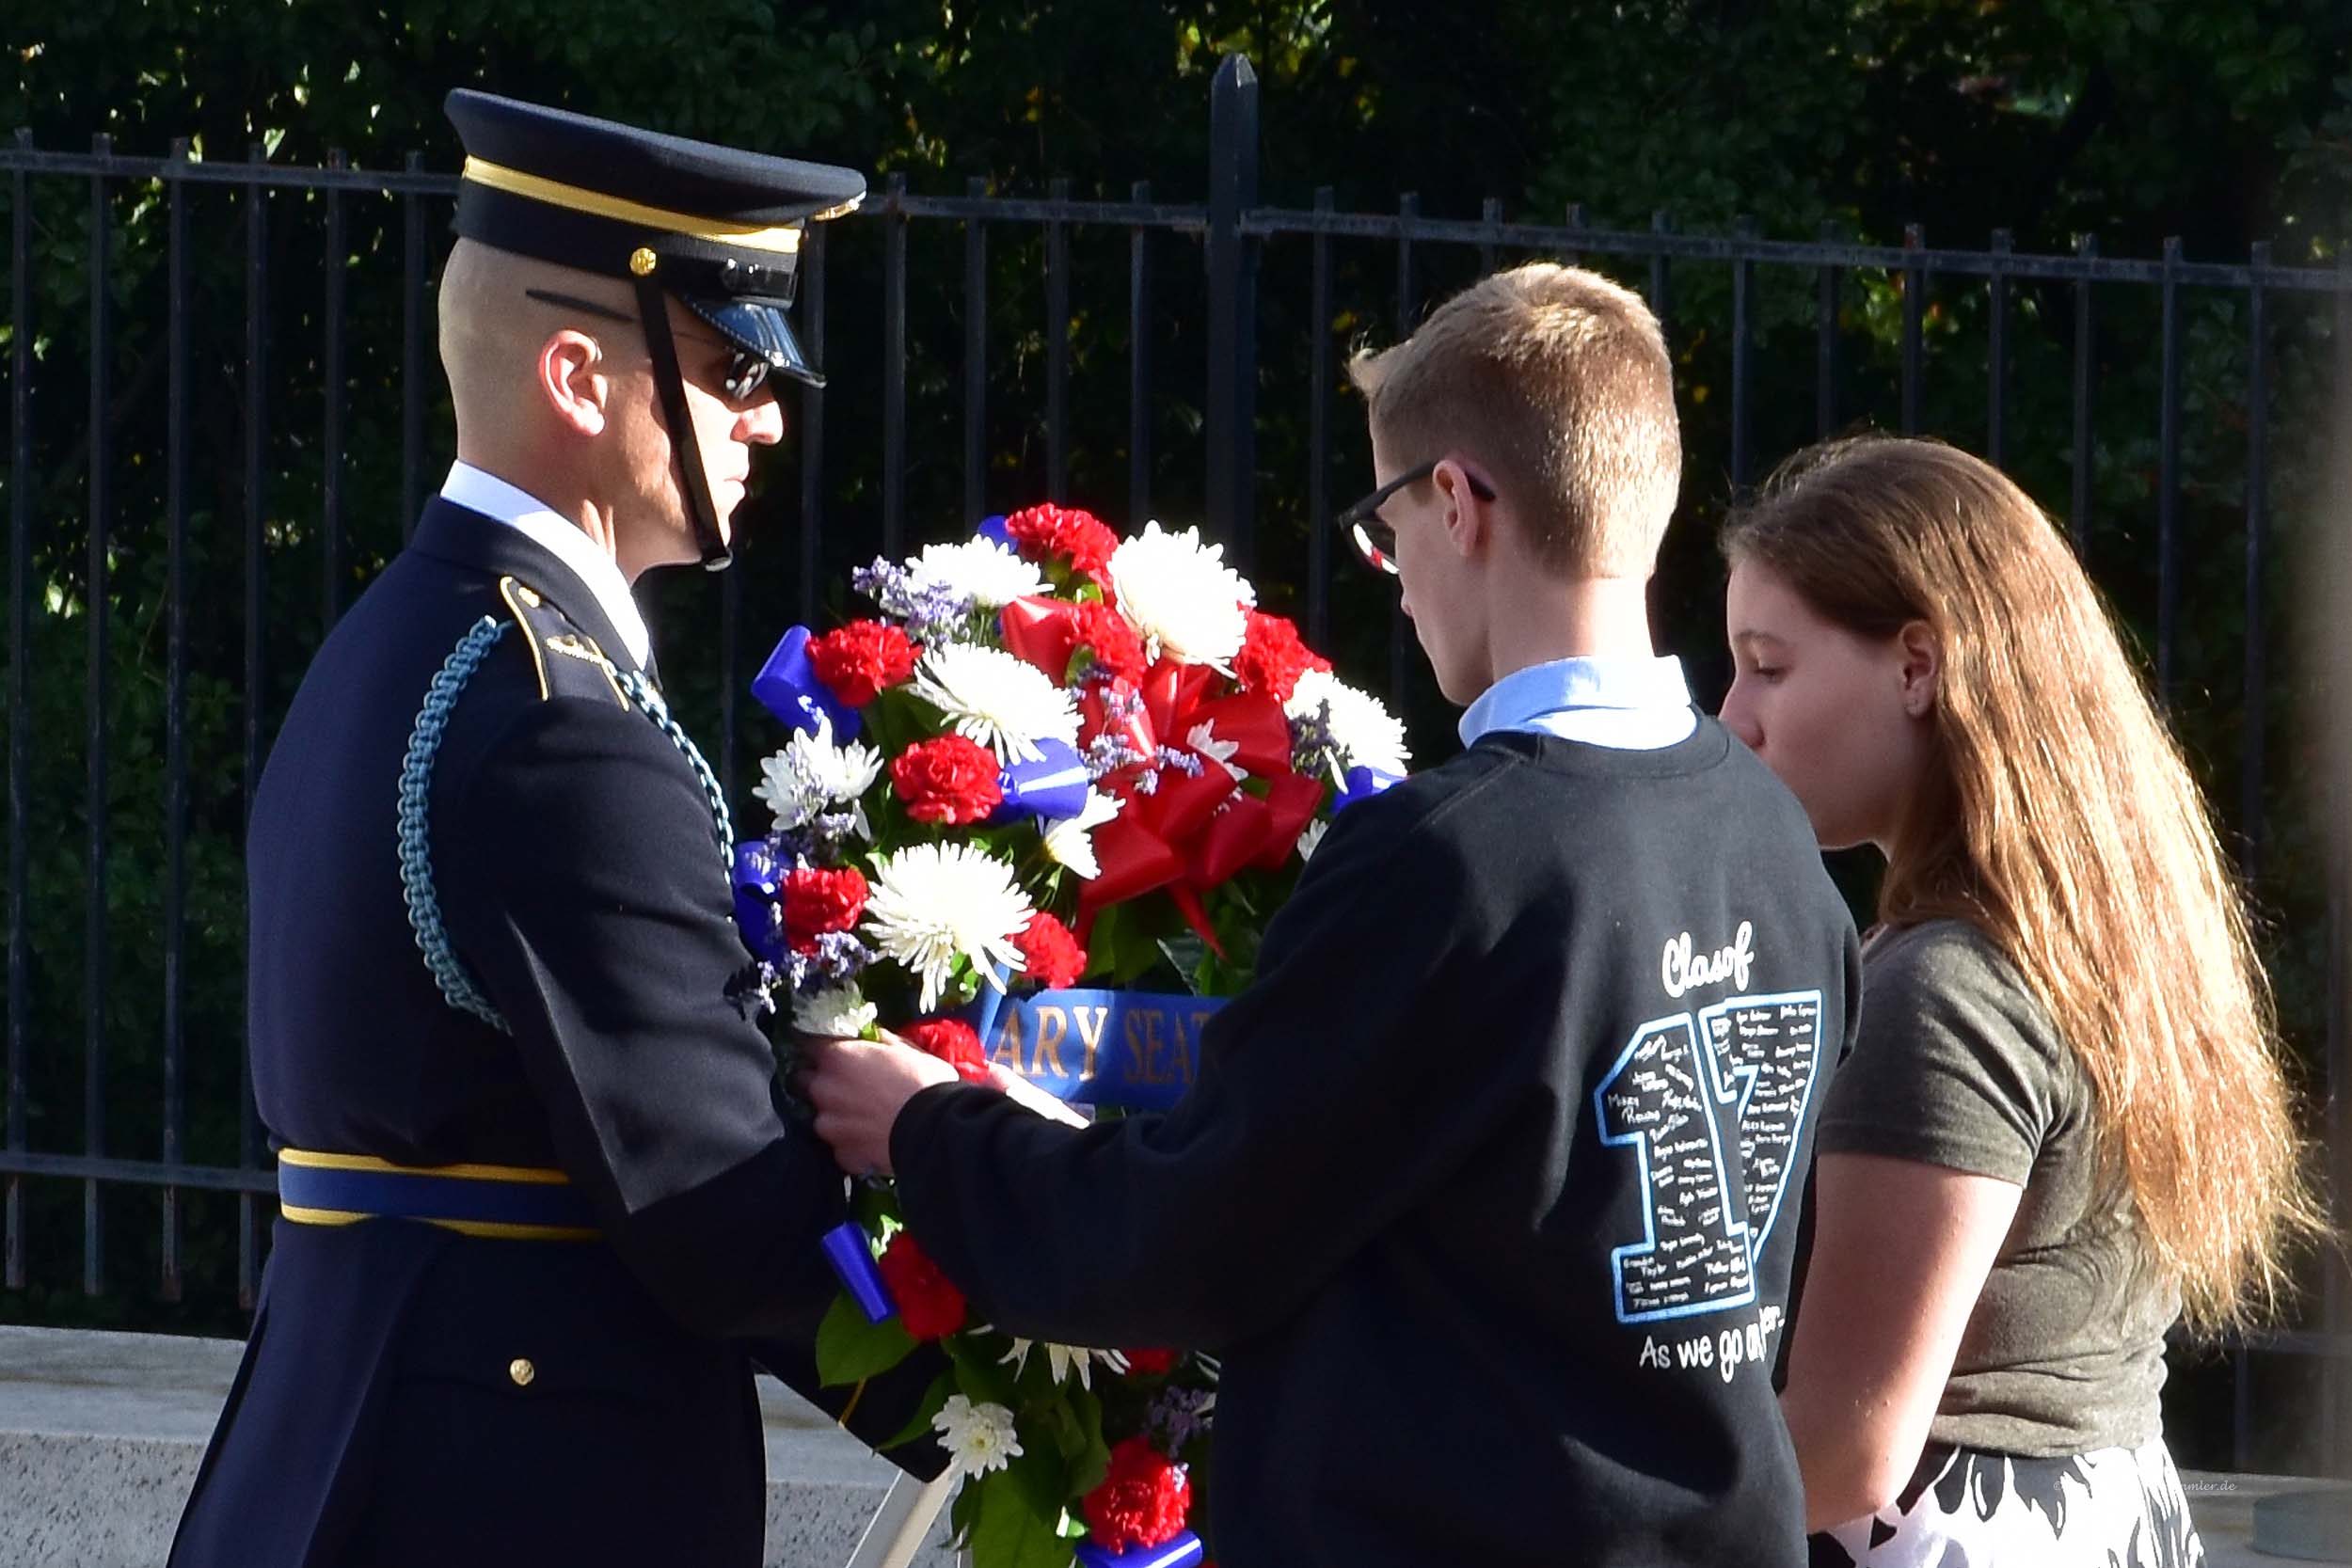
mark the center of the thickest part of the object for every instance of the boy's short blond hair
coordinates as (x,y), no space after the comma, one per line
(1557,380)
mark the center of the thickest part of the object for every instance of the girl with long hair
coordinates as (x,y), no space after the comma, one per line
(2064,1123)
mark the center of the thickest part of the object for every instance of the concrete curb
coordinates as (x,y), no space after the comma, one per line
(100,1435)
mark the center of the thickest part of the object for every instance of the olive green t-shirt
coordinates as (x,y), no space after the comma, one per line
(1958,1064)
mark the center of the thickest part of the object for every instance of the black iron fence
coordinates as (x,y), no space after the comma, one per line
(251,344)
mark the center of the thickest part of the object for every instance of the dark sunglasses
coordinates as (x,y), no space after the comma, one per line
(747,372)
(1375,537)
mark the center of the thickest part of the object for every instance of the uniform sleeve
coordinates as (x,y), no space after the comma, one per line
(1954,1064)
(1316,1120)
(582,883)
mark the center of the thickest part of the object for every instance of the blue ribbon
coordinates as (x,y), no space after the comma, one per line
(1181,1550)
(1362,784)
(1140,1051)
(853,1259)
(757,875)
(786,686)
(1053,787)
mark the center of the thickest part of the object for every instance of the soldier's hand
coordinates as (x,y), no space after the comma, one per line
(858,1088)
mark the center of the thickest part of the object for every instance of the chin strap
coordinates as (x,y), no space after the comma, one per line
(653,309)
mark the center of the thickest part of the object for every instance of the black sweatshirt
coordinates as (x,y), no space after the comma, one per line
(1448,1194)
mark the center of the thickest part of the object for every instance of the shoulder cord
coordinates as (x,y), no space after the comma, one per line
(415,866)
(416,774)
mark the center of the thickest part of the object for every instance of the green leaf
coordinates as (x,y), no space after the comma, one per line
(1041,1480)
(982,1381)
(1007,1532)
(850,1347)
(934,1399)
(1092,1460)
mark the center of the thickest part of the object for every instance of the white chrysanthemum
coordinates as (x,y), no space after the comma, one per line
(933,903)
(1312,840)
(1180,597)
(1069,840)
(1063,1359)
(979,1437)
(1003,702)
(1366,733)
(840,1011)
(980,570)
(812,774)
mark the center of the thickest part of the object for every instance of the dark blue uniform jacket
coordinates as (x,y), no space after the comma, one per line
(414,1395)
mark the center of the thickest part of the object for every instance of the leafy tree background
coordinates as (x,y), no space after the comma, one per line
(2224,122)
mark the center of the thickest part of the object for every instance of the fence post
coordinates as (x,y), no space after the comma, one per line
(1232,400)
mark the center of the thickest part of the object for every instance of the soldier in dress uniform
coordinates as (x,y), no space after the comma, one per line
(542,1206)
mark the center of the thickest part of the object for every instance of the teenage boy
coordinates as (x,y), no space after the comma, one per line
(1487,1191)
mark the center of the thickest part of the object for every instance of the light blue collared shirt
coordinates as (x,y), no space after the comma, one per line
(478,491)
(1627,704)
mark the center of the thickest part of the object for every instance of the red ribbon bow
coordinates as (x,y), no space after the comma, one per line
(1189,832)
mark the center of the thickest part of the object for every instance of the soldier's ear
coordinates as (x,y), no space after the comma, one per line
(572,378)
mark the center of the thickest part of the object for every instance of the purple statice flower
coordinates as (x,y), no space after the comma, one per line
(1184,762)
(1106,754)
(823,838)
(753,989)
(937,613)
(839,956)
(1312,742)
(1179,1414)
(1120,704)
(931,612)
(881,582)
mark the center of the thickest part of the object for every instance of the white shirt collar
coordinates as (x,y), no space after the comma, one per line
(471,488)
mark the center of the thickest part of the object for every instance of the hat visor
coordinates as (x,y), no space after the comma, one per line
(759,327)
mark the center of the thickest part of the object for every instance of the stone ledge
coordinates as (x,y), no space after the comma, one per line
(100,1435)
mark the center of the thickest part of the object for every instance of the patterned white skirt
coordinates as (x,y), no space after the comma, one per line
(2111,1508)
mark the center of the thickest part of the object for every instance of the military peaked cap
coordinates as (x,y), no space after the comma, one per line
(718,229)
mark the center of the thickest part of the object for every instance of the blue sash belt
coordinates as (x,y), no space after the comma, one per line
(508,1202)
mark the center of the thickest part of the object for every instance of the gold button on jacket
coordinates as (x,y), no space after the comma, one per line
(522,1371)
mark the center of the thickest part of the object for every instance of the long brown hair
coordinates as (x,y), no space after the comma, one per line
(2065,824)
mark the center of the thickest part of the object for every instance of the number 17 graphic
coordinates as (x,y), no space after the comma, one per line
(1741,1073)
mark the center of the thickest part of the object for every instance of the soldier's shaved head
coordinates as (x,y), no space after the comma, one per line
(491,332)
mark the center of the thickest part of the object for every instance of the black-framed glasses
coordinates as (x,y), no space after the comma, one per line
(746,373)
(1375,536)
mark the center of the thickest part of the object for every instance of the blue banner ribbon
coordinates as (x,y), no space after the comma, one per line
(1181,1550)
(1362,784)
(854,1263)
(1055,785)
(1138,1050)
(756,914)
(786,686)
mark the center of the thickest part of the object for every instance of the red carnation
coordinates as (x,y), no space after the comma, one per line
(1063,531)
(928,1306)
(1050,953)
(1151,1363)
(950,780)
(1141,1501)
(860,659)
(1272,657)
(953,1041)
(815,902)
(1117,648)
